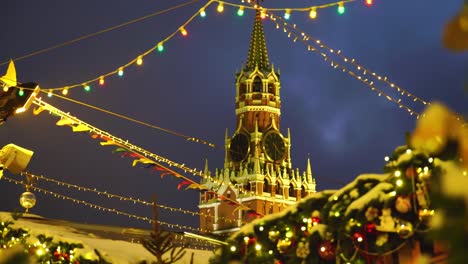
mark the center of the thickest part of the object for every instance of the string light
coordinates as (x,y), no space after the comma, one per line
(341,9)
(202,13)
(240,11)
(313,13)
(121,198)
(49,94)
(287,14)
(120,72)
(316,45)
(87,88)
(140,152)
(183,31)
(102,208)
(139,60)
(65,91)
(101,81)
(220,7)
(160,47)
(21,92)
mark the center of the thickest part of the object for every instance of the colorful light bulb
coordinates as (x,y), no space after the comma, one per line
(21,92)
(341,8)
(49,94)
(220,7)
(262,14)
(202,13)
(120,72)
(313,13)
(240,11)
(87,88)
(139,60)
(160,47)
(369,2)
(183,31)
(65,91)
(5,88)
(287,14)
(101,81)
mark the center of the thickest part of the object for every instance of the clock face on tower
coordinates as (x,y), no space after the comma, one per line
(273,146)
(239,147)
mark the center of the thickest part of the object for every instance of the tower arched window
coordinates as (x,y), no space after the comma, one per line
(257,85)
(266,188)
(242,89)
(291,190)
(271,88)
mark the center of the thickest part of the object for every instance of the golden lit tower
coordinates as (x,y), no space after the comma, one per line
(257,169)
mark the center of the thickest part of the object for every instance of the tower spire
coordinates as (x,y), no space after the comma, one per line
(258,55)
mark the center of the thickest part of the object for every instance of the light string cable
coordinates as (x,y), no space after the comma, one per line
(141,153)
(352,61)
(188,138)
(102,208)
(138,60)
(100,32)
(300,9)
(121,198)
(335,65)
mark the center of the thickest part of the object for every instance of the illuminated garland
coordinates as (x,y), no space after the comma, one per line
(287,28)
(121,198)
(140,155)
(86,85)
(102,208)
(359,67)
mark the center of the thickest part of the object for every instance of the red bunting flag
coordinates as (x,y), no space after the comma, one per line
(185,182)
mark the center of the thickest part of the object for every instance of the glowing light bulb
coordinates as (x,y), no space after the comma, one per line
(313,13)
(369,2)
(160,47)
(397,173)
(240,12)
(5,88)
(139,60)
(65,91)
(202,13)
(387,158)
(399,183)
(262,14)
(120,72)
(21,92)
(258,247)
(287,14)
(101,81)
(341,8)
(220,7)
(49,94)
(183,31)
(87,88)
(323,249)
(233,248)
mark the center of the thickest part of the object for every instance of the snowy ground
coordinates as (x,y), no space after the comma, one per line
(93,237)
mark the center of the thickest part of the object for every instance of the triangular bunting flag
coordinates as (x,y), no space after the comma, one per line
(117,150)
(185,182)
(9,79)
(81,128)
(38,110)
(142,160)
(65,122)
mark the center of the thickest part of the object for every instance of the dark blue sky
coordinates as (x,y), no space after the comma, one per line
(346,128)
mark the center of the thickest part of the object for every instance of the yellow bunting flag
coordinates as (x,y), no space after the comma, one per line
(142,160)
(10,77)
(65,122)
(81,128)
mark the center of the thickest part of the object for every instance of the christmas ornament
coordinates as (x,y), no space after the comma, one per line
(370,228)
(403,204)
(27,200)
(405,229)
(387,224)
(371,213)
(327,251)
(411,172)
(283,245)
(302,250)
(358,237)
(381,239)
(422,195)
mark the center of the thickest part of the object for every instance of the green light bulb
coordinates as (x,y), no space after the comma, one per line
(21,92)
(341,9)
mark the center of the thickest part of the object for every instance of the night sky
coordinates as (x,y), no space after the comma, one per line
(345,127)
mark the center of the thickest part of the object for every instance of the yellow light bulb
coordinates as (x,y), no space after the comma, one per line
(313,13)
(139,61)
(220,7)
(65,91)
